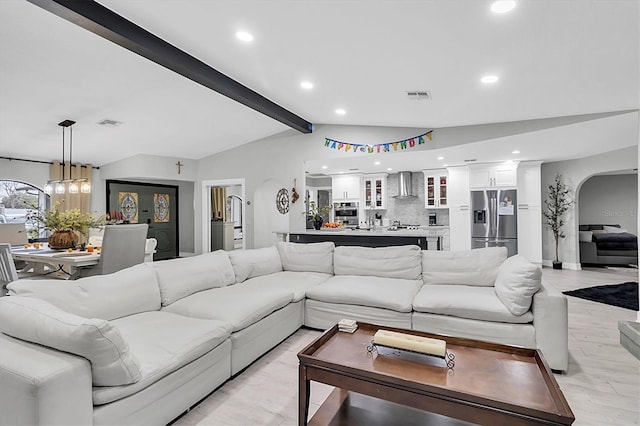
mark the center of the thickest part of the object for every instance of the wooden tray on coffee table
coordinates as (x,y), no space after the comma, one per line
(490,384)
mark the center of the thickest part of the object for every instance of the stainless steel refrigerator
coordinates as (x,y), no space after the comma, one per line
(495,219)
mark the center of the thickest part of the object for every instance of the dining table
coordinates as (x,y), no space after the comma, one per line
(63,264)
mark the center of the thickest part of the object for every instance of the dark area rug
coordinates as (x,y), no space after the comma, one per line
(623,295)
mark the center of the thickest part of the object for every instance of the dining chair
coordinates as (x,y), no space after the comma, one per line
(122,246)
(8,271)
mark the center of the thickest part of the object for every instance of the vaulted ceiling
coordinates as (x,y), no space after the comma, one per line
(552,59)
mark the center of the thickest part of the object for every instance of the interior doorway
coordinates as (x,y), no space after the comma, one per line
(223,215)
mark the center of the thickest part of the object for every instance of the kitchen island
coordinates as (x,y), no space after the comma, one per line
(427,238)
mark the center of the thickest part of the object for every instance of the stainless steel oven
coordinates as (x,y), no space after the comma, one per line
(347,213)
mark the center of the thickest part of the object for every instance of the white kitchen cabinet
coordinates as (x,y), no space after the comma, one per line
(374,191)
(499,176)
(444,240)
(436,184)
(530,211)
(459,208)
(530,233)
(345,188)
(529,187)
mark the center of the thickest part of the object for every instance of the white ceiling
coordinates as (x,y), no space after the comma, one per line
(554,58)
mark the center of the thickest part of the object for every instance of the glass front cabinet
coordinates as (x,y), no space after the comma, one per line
(435,188)
(375,191)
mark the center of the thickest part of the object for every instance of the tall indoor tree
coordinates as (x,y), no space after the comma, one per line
(556,206)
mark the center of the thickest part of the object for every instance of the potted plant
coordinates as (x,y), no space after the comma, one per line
(316,215)
(556,205)
(65,225)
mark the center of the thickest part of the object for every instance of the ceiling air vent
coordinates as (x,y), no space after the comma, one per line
(107,122)
(423,95)
(471,160)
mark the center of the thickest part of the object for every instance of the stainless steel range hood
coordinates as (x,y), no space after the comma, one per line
(405,189)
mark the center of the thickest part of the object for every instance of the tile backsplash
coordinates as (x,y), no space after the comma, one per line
(410,211)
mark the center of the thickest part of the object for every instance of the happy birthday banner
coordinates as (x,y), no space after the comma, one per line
(378,148)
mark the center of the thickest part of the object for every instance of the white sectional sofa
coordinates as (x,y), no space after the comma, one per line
(144,344)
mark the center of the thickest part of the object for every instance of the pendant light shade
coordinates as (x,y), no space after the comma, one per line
(60,189)
(59,186)
(73,187)
(85,188)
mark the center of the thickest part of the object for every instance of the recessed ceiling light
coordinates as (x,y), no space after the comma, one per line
(341,111)
(377,163)
(340,172)
(389,169)
(324,167)
(445,165)
(489,79)
(244,36)
(503,6)
(441,158)
(515,152)
(306,85)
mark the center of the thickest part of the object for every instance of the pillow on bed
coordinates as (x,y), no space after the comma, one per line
(613,229)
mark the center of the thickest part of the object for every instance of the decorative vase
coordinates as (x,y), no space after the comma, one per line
(63,239)
(557,265)
(317,223)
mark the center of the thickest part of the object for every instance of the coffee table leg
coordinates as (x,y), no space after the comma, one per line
(303,396)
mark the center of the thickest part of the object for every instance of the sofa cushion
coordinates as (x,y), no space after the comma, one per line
(311,257)
(162,342)
(401,262)
(38,321)
(255,262)
(239,305)
(465,301)
(377,292)
(179,278)
(517,281)
(469,267)
(126,292)
(295,282)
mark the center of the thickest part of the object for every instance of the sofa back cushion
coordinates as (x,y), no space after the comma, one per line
(311,257)
(255,262)
(517,281)
(468,267)
(388,262)
(38,321)
(179,278)
(126,292)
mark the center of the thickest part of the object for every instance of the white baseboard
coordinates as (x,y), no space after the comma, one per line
(565,265)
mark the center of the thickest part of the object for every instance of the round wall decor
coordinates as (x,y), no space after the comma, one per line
(282,201)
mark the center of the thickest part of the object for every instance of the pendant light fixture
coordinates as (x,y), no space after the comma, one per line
(75,185)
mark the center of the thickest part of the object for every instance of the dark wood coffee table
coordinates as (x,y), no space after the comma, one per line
(490,383)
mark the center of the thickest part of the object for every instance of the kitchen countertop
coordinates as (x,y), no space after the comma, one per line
(426,231)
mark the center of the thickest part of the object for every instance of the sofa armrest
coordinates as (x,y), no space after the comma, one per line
(588,252)
(42,386)
(551,323)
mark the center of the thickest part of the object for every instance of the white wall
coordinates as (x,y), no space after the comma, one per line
(36,174)
(575,173)
(281,157)
(160,170)
(610,199)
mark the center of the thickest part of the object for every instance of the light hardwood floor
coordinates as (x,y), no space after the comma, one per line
(602,385)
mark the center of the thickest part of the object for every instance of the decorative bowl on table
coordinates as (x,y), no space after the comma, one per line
(332,226)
